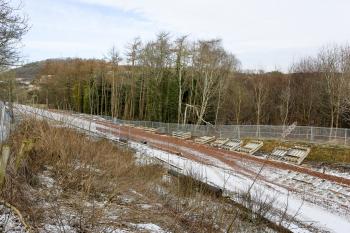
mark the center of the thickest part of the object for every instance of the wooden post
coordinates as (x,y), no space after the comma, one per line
(3,163)
(2,121)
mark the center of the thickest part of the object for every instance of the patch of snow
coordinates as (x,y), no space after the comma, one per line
(146,206)
(46,180)
(233,181)
(110,230)
(9,222)
(57,229)
(153,228)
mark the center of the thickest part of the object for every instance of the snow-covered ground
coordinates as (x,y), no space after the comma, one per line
(232,182)
(311,201)
(9,221)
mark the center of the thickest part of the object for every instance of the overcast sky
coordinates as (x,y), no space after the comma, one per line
(264,34)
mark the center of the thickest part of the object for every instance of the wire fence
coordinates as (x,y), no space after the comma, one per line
(339,136)
(5,122)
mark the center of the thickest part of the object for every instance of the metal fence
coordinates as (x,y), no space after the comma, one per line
(338,136)
(5,122)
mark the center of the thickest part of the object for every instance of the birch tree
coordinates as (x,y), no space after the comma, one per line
(211,62)
(114,59)
(182,59)
(332,65)
(345,89)
(230,65)
(133,51)
(285,99)
(260,89)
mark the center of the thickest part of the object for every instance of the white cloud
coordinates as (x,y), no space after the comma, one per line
(248,28)
(61,30)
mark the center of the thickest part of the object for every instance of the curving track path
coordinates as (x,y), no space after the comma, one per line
(320,200)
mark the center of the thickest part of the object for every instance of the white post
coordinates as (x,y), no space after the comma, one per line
(2,119)
(346,136)
(3,162)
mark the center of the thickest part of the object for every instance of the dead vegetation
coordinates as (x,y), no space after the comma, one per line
(320,153)
(64,181)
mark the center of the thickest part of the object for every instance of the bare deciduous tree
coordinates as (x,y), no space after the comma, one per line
(133,51)
(114,59)
(13,26)
(212,64)
(182,56)
(345,89)
(333,63)
(260,97)
(285,102)
(230,65)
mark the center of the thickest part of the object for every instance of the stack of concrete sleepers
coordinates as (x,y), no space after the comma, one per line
(182,134)
(219,142)
(297,154)
(151,130)
(232,145)
(129,125)
(204,139)
(251,147)
(279,152)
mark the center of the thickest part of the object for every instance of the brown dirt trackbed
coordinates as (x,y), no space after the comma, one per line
(189,149)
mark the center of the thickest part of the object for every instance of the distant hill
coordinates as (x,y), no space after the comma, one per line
(28,72)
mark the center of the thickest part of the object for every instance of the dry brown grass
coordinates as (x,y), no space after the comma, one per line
(60,177)
(320,153)
(83,167)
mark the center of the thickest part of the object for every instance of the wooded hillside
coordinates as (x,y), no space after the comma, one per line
(198,82)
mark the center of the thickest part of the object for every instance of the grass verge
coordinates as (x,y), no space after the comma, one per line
(319,152)
(65,181)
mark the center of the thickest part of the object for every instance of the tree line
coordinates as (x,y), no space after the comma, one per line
(198,82)
(183,81)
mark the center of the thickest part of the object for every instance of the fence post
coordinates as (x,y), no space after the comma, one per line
(346,136)
(2,121)
(3,162)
